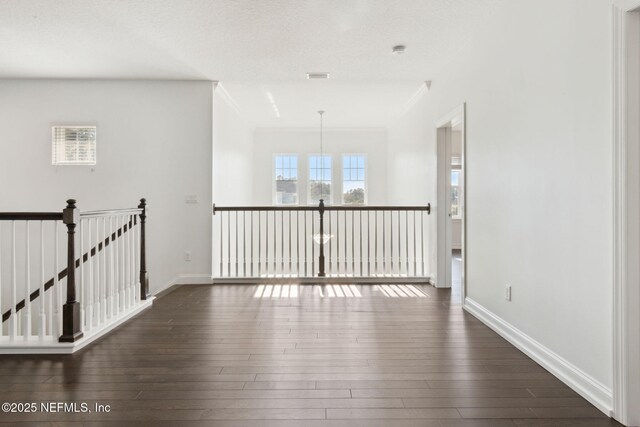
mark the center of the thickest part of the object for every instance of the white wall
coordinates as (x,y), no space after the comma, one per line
(412,169)
(232,152)
(537,86)
(268,142)
(232,162)
(153,141)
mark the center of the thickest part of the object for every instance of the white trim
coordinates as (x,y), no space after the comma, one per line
(53,347)
(460,112)
(190,279)
(622,313)
(581,382)
(424,88)
(451,115)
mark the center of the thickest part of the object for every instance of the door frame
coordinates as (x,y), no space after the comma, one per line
(443,256)
(626,207)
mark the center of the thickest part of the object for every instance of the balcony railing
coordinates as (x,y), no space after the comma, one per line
(50,293)
(312,242)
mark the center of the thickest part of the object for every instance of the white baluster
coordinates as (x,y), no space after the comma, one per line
(125,272)
(80,286)
(95,300)
(26,331)
(96,274)
(134,288)
(132,255)
(13,322)
(127,266)
(103,305)
(49,310)
(111,270)
(89,287)
(129,260)
(57,300)
(1,280)
(136,252)
(114,261)
(125,289)
(43,318)
(120,266)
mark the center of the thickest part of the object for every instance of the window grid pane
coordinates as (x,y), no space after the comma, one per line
(353,182)
(319,179)
(286,174)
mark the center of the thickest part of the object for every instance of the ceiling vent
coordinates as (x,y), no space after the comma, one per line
(399,49)
(316,76)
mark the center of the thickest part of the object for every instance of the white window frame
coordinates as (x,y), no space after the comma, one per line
(54,159)
(274,186)
(366,178)
(328,201)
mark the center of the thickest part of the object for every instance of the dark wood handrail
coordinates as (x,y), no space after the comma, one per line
(315,208)
(30,216)
(62,274)
(110,212)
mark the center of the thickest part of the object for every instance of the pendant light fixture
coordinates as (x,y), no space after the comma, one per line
(321,238)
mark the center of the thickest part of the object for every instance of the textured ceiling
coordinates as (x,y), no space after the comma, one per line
(254,47)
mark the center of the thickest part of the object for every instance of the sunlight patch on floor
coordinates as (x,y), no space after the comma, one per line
(340,291)
(401,291)
(277,291)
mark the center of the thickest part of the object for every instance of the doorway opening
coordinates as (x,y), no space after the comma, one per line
(450,143)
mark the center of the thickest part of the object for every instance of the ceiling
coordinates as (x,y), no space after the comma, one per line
(260,50)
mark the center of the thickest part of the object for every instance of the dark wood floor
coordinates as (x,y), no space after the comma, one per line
(318,356)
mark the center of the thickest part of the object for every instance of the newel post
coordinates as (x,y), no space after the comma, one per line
(144,276)
(321,273)
(71,309)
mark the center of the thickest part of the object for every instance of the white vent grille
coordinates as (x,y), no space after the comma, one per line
(73,145)
(313,76)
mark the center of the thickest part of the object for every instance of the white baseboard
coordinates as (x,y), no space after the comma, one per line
(582,383)
(35,346)
(187,279)
(193,279)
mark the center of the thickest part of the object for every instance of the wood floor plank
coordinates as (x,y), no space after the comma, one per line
(215,355)
(390,414)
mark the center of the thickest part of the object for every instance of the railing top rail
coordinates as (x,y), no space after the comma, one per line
(30,216)
(110,212)
(425,208)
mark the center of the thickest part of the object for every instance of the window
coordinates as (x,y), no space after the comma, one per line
(455,194)
(286,174)
(319,179)
(353,179)
(73,145)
